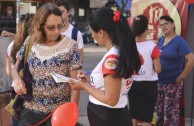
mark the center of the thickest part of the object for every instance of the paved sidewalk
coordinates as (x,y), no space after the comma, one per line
(92,55)
(83,119)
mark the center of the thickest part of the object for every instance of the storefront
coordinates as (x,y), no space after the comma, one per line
(9,10)
(7,16)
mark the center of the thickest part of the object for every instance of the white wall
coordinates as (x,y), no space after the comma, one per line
(189,81)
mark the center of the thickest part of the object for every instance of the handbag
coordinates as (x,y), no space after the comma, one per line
(15,105)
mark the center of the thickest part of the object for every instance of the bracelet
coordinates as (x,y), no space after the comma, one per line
(181,77)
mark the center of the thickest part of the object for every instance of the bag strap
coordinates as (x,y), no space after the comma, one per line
(28,48)
(74,34)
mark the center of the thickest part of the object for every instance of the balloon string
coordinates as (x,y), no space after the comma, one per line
(45,118)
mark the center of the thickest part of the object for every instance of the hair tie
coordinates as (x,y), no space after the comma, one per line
(137,18)
(116,16)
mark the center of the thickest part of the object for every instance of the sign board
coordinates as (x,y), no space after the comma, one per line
(153,10)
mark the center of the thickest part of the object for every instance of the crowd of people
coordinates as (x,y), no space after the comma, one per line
(133,69)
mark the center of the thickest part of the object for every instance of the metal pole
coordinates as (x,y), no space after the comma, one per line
(17,13)
(192,100)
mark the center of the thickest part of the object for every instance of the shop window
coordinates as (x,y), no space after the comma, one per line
(8,16)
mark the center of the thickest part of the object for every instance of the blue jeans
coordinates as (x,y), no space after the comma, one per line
(15,122)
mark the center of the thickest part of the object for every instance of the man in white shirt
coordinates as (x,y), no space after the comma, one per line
(69,30)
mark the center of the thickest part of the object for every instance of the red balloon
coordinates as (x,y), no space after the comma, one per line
(189,1)
(65,115)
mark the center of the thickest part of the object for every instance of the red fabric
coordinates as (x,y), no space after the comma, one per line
(116,16)
(189,1)
(106,67)
(155,53)
(182,7)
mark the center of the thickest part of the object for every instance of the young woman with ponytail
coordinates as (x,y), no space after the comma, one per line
(110,80)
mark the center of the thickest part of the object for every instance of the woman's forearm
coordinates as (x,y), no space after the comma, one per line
(8,66)
(188,66)
(75,95)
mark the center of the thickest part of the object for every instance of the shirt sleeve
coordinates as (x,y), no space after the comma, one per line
(75,62)
(9,50)
(184,48)
(155,52)
(110,64)
(80,40)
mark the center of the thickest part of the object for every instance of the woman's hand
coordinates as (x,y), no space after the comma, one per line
(77,84)
(83,77)
(179,81)
(19,86)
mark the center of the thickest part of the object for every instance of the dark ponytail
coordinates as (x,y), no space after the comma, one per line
(139,25)
(119,31)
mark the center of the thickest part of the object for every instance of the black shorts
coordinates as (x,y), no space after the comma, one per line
(103,116)
(142,99)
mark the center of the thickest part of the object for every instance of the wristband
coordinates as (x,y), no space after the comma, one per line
(181,77)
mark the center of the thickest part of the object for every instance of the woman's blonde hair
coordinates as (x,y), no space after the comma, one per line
(37,32)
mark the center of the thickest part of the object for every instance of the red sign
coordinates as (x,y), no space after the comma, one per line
(153,10)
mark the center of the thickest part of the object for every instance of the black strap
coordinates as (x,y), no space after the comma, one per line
(74,34)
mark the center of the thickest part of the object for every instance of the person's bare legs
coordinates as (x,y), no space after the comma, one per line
(135,122)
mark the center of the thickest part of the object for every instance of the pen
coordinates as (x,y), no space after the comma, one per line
(86,73)
(89,72)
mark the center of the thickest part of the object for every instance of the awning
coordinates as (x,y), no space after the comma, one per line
(28,1)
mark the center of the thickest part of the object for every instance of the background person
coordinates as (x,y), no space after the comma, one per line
(14,47)
(69,30)
(110,80)
(5,33)
(50,52)
(143,93)
(174,52)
